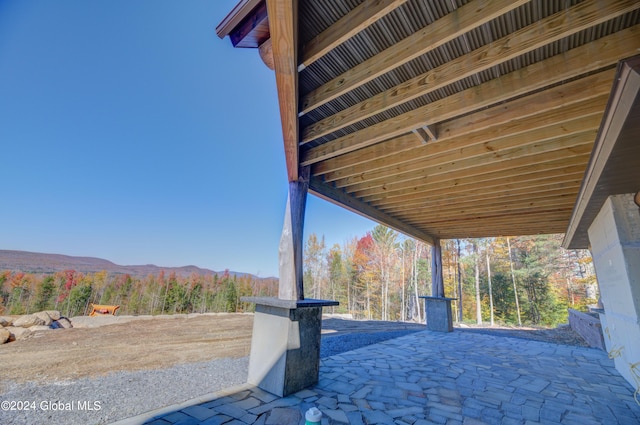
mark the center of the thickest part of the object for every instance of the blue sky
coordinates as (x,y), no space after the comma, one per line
(130,131)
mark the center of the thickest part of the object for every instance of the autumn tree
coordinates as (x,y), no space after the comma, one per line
(314,266)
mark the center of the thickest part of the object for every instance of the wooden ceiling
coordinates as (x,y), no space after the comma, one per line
(444,118)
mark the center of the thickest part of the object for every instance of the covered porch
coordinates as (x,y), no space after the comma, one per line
(441,119)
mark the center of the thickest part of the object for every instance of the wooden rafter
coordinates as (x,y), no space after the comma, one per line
(443,30)
(550,100)
(501,178)
(488,193)
(555,27)
(563,196)
(577,144)
(365,14)
(353,204)
(545,124)
(475,150)
(534,77)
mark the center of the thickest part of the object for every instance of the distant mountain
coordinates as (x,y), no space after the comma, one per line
(36,262)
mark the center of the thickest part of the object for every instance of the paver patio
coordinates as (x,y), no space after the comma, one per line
(436,378)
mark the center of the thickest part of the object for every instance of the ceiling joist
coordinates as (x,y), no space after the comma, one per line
(464,19)
(365,14)
(551,29)
(534,77)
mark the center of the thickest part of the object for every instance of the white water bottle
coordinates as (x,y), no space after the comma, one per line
(313,416)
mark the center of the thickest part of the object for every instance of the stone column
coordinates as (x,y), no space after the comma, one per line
(285,347)
(614,237)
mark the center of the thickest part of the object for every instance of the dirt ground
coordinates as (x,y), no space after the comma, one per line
(60,355)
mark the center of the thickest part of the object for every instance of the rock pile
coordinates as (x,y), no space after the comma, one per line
(20,327)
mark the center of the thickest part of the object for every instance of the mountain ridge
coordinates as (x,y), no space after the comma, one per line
(38,262)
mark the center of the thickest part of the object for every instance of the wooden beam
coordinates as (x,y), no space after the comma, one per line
(446,184)
(549,100)
(534,182)
(533,187)
(233,19)
(541,222)
(522,216)
(553,225)
(421,135)
(531,78)
(555,27)
(388,148)
(447,28)
(495,214)
(530,188)
(257,19)
(518,131)
(475,154)
(283,25)
(426,133)
(362,16)
(344,200)
(565,196)
(437,282)
(576,145)
(290,286)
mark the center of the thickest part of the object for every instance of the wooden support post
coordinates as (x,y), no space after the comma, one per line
(291,241)
(437,282)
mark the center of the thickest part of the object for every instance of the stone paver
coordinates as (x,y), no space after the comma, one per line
(438,378)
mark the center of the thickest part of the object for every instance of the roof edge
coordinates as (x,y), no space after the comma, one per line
(237,15)
(606,139)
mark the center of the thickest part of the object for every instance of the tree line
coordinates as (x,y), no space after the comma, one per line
(71,292)
(519,280)
(381,275)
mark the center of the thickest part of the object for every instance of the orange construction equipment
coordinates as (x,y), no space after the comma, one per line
(103,310)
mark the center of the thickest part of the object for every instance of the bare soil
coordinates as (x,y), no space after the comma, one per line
(62,355)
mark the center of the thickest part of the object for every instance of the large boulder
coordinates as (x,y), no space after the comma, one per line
(54,314)
(39,328)
(45,318)
(5,321)
(18,333)
(27,321)
(5,335)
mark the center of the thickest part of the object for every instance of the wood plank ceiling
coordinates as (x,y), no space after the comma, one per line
(447,118)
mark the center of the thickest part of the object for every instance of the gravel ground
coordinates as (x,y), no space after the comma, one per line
(120,395)
(124,394)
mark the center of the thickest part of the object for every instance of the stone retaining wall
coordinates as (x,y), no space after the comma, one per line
(588,326)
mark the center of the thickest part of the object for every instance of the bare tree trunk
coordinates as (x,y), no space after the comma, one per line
(403,307)
(489,282)
(515,288)
(416,255)
(459,271)
(368,303)
(477,272)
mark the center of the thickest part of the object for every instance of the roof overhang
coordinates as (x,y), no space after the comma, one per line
(614,167)
(236,16)
(448,118)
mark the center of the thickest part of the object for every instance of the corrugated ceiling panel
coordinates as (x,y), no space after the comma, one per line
(414,14)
